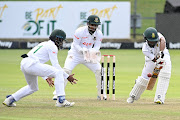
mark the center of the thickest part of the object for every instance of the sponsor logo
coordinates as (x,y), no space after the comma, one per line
(2,9)
(103,45)
(153,35)
(111,45)
(40,21)
(138,45)
(174,45)
(6,44)
(84,37)
(31,45)
(107,12)
(86,44)
(96,20)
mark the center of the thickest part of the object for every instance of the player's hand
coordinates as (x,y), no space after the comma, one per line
(50,82)
(160,55)
(71,79)
(160,63)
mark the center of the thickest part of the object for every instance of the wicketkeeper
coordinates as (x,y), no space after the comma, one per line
(85,50)
(32,65)
(157,63)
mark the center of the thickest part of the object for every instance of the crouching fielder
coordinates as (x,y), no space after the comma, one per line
(32,65)
(157,59)
(85,50)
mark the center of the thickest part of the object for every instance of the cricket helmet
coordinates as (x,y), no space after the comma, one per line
(94,19)
(58,36)
(151,36)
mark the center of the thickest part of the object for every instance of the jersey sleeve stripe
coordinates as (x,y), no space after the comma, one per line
(76,37)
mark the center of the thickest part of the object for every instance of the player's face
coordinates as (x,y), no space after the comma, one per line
(59,43)
(152,43)
(92,27)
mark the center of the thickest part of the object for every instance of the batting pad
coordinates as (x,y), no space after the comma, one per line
(162,87)
(139,87)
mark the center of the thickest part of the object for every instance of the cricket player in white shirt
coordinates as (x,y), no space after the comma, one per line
(158,63)
(85,50)
(32,65)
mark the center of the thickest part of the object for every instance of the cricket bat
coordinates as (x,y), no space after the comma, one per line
(153,78)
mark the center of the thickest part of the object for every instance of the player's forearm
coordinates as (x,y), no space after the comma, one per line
(65,75)
(162,44)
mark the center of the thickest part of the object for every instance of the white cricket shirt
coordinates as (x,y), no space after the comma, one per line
(149,52)
(83,39)
(46,51)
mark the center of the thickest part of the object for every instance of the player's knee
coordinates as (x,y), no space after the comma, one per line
(67,71)
(33,89)
(142,81)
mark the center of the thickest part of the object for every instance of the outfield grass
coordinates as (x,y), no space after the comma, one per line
(129,64)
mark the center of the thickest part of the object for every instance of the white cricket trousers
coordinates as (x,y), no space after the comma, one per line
(163,78)
(73,60)
(165,71)
(32,69)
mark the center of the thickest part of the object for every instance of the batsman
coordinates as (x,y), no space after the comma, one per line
(85,50)
(157,65)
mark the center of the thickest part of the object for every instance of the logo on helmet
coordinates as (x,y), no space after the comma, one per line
(96,20)
(153,35)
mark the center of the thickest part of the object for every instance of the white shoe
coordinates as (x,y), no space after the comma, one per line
(54,97)
(9,103)
(130,99)
(158,101)
(64,104)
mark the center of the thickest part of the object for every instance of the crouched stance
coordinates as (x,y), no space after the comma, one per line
(32,65)
(156,56)
(85,50)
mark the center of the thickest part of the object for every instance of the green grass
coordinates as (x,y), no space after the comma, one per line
(129,64)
